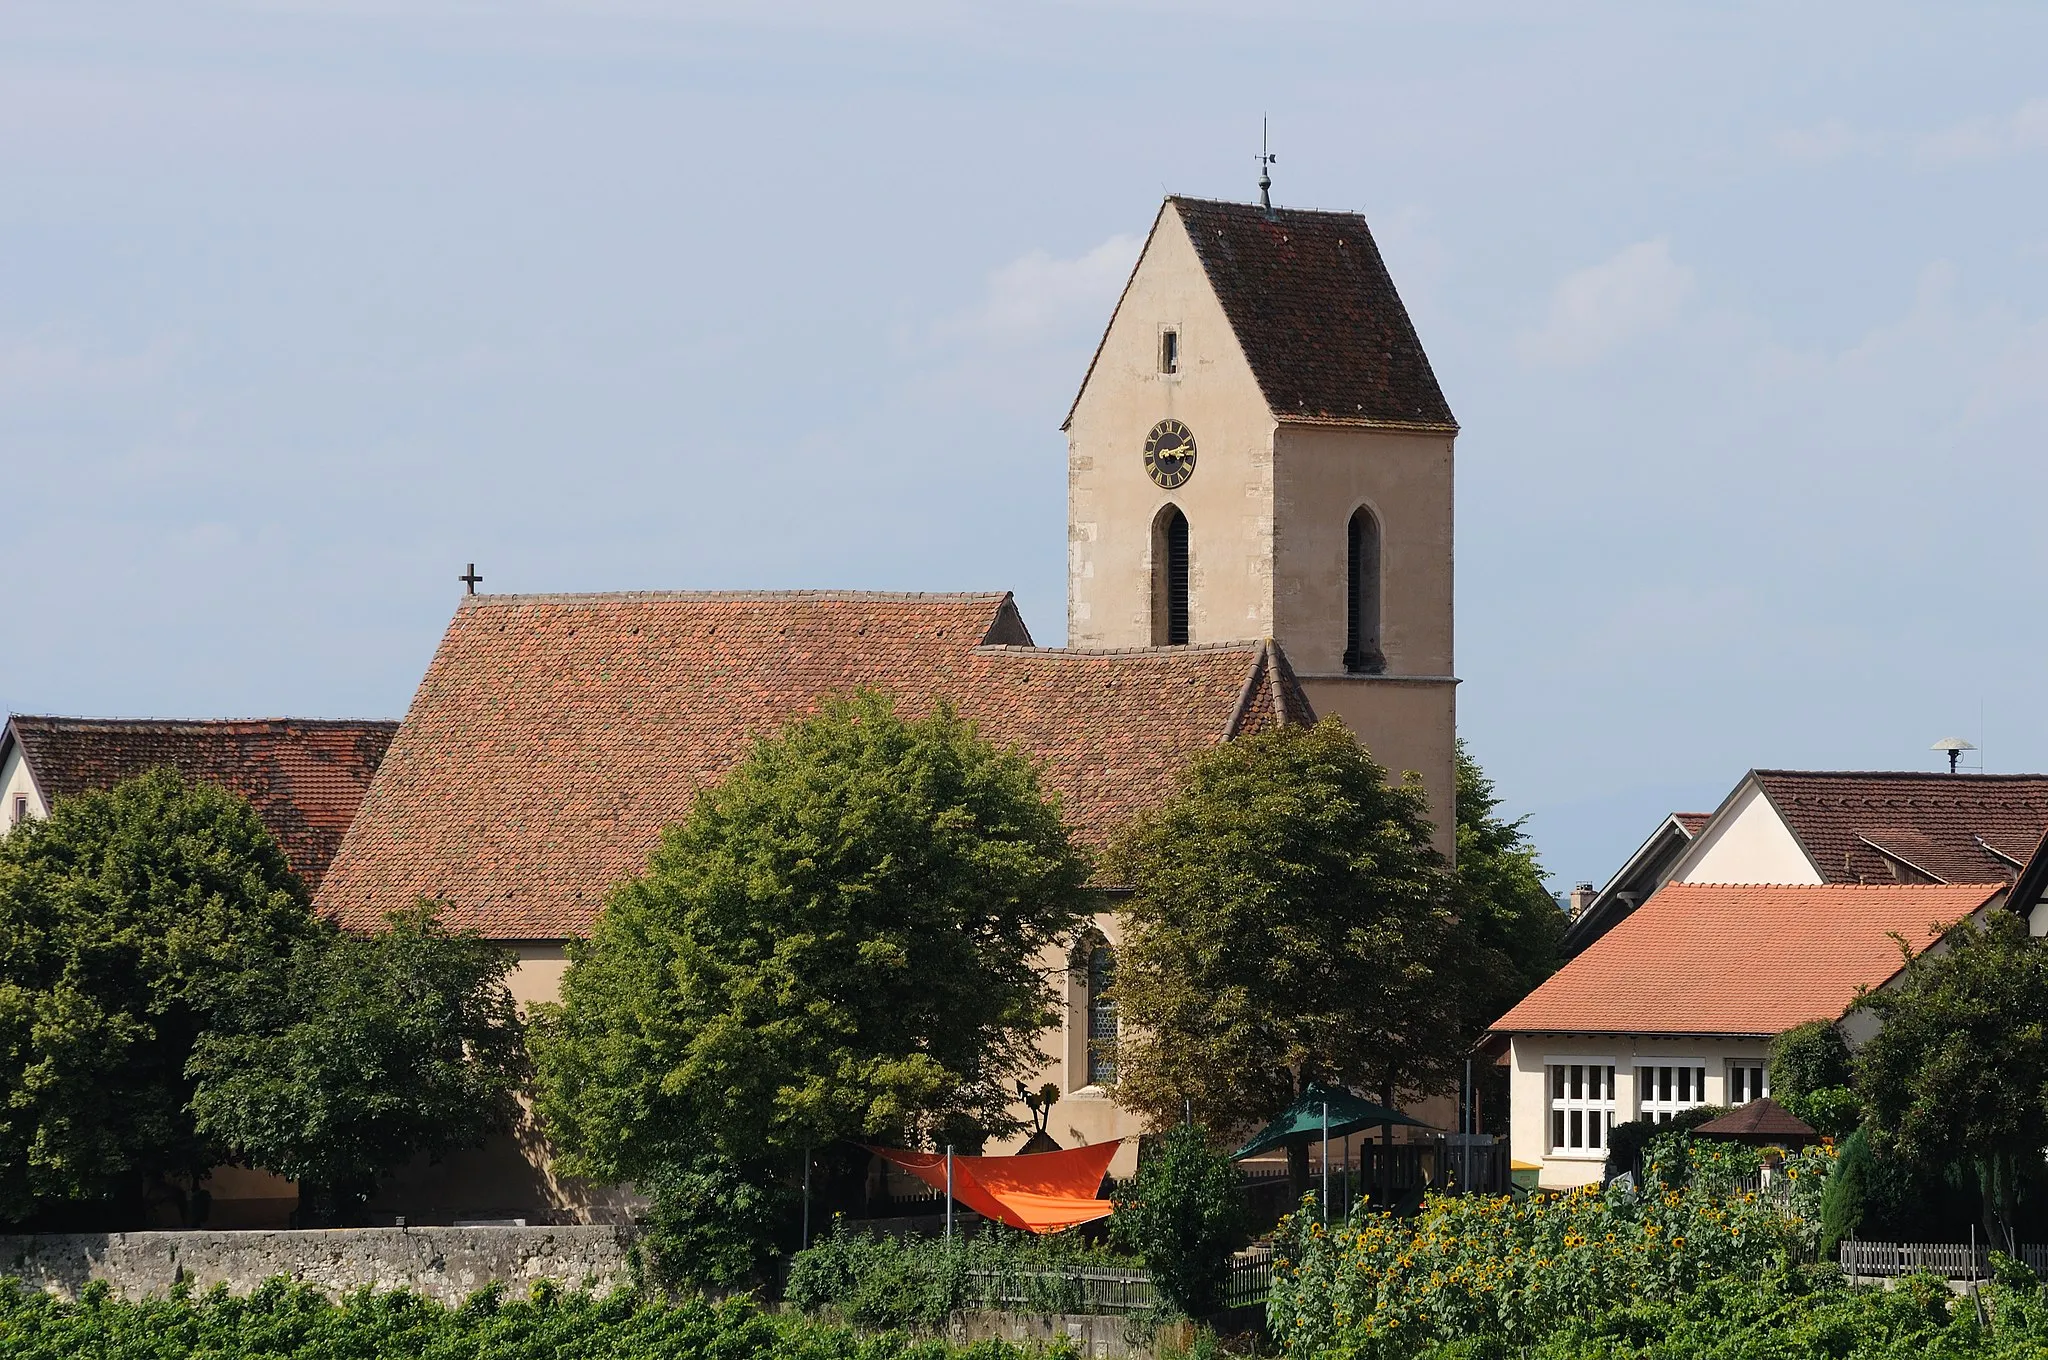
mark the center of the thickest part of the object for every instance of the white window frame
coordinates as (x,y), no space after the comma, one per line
(1576,1121)
(1672,1085)
(17,809)
(1747,1079)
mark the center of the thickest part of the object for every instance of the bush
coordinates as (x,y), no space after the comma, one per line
(1184,1216)
(882,1282)
(709,1224)
(1833,1111)
(1808,1058)
(284,1321)
(1626,1141)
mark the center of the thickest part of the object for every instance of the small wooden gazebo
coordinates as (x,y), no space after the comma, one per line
(1761,1123)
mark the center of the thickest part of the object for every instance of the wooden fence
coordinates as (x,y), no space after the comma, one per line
(1955,1260)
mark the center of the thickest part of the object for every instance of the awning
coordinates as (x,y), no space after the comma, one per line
(1302,1122)
(1039,1192)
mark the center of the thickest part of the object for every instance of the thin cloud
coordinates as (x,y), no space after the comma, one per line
(1635,293)
(1828,141)
(1038,294)
(2023,130)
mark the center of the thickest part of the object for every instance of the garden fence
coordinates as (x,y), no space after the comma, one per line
(1111,1289)
(1956,1260)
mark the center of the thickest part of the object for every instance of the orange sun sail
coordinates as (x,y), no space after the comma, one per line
(1039,1192)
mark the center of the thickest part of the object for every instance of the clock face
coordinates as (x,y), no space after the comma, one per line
(1170,454)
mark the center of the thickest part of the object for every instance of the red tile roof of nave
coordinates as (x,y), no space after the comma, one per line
(305,777)
(1932,821)
(553,737)
(1716,958)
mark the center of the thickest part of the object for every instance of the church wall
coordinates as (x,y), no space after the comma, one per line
(1407,725)
(1112,502)
(537,976)
(1321,475)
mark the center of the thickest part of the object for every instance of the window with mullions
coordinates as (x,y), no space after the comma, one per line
(1664,1090)
(1581,1106)
(1101,1015)
(1747,1081)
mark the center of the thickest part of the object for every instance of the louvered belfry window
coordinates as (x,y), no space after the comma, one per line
(1362,653)
(1176,579)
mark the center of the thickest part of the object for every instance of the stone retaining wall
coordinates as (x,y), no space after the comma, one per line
(447,1264)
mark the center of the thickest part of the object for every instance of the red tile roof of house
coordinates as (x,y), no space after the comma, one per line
(304,776)
(1692,822)
(554,736)
(1739,959)
(1954,828)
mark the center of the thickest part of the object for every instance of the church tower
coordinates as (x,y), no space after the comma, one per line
(1260,449)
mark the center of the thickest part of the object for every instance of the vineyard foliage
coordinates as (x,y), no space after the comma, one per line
(880,1282)
(1515,1271)
(283,1321)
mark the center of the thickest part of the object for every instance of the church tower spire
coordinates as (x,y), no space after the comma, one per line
(1260,449)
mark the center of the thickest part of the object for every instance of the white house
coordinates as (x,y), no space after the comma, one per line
(1677,1003)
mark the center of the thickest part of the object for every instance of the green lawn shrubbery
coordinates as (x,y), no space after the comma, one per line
(282,1321)
(872,1281)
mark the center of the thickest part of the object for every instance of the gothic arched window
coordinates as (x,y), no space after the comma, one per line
(1101,1015)
(1170,576)
(1362,596)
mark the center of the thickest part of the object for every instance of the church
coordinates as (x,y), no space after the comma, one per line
(1259,533)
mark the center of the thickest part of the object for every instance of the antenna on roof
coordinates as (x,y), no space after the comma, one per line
(1955,746)
(1266,158)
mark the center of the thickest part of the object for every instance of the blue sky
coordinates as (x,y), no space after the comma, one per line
(1743,308)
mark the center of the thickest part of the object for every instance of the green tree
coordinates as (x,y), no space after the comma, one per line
(1513,923)
(843,938)
(1958,1074)
(375,1049)
(127,921)
(1288,922)
(1842,1199)
(1184,1216)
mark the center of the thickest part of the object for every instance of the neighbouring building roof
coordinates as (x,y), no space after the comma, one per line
(1762,1118)
(554,736)
(1945,828)
(1741,959)
(1634,882)
(304,776)
(1317,314)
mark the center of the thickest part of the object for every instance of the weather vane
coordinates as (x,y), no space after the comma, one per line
(1266,158)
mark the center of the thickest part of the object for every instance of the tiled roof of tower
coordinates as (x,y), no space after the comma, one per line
(304,776)
(1317,313)
(1715,958)
(1956,828)
(554,736)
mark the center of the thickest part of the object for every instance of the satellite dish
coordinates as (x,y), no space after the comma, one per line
(1955,746)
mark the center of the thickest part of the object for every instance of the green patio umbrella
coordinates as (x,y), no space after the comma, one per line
(1302,1122)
